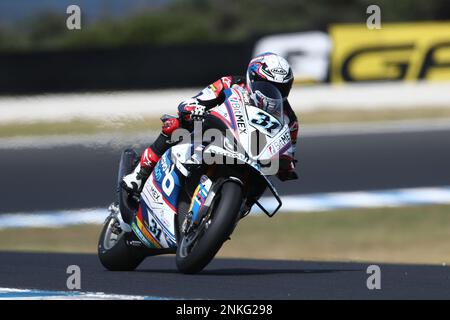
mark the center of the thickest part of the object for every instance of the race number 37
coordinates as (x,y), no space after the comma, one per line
(265,122)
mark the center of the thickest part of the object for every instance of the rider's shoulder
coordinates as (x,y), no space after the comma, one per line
(227,82)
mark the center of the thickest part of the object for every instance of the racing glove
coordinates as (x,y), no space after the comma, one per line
(170,124)
(198,113)
(191,110)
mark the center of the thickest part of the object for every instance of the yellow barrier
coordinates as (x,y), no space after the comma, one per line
(398,51)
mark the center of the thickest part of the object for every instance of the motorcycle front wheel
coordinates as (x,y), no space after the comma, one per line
(197,248)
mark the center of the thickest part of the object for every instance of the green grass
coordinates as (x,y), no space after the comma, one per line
(397,235)
(78,126)
(401,235)
(124,125)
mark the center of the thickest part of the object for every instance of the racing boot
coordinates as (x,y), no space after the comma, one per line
(134,181)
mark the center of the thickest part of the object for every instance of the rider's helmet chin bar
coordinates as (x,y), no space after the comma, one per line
(277,197)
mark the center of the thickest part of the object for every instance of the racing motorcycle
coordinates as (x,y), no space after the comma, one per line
(190,206)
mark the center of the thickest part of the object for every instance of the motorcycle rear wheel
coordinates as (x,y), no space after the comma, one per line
(114,252)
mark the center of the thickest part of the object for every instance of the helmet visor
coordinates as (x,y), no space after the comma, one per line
(268,98)
(284,88)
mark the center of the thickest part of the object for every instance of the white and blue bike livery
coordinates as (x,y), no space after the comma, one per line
(198,191)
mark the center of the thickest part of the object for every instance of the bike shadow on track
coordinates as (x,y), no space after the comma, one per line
(251,271)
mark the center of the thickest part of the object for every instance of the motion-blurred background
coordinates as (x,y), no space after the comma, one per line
(373,104)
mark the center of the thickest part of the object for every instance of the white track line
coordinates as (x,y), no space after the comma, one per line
(32,294)
(115,105)
(291,204)
(363,199)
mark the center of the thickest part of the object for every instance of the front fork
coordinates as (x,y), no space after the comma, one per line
(202,201)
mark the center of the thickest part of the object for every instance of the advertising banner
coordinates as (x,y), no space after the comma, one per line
(398,51)
(307,52)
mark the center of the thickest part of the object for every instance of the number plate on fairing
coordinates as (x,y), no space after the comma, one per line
(159,199)
(263,121)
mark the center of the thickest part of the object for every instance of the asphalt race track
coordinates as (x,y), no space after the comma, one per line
(81,177)
(227,278)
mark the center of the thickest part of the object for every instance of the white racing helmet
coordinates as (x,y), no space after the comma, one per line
(272,68)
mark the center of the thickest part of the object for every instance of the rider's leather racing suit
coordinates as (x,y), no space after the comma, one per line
(210,97)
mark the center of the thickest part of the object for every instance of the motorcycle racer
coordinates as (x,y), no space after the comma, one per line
(268,67)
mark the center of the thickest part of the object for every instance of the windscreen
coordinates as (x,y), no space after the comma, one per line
(268,98)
